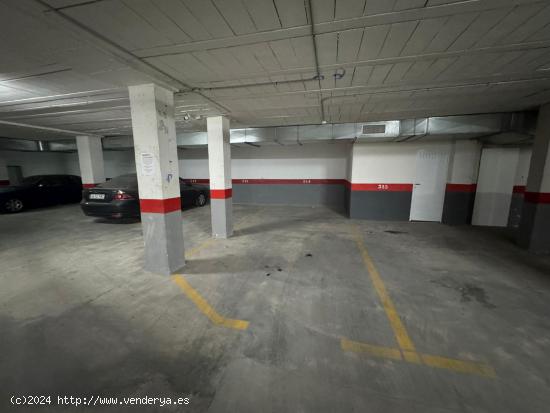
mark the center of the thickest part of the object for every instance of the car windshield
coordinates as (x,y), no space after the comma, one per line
(122,181)
(30,180)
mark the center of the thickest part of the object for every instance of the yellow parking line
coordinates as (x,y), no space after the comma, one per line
(199,301)
(401,335)
(377,351)
(203,305)
(458,366)
(406,350)
(193,251)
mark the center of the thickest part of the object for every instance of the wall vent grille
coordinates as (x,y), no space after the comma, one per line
(373,129)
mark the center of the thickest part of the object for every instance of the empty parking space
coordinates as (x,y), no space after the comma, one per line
(319,333)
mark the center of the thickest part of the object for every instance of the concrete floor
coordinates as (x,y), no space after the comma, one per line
(78,315)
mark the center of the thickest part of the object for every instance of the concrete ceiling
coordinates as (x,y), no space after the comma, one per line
(67,63)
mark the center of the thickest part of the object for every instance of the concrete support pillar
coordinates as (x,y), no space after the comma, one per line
(219,163)
(90,159)
(534,228)
(155,147)
(4,177)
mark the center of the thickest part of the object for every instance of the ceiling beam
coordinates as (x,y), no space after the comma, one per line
(46,128)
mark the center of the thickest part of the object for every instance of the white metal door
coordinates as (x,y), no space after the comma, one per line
(497,172)
(429,186)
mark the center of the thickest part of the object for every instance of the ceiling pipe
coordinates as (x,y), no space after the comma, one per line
(315,54)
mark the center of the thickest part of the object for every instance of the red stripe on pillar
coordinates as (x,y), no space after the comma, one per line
(461,187)
(221,193)
(382,187)
(4,182)
(538,197)
(160,206)
(519,189)
(89,185)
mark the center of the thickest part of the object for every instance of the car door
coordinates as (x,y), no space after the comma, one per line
(49,191)
(187,194)
(73,188)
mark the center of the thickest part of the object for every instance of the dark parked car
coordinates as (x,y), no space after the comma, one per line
(41,190)
(119,197)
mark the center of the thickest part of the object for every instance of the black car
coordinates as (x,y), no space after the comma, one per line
(119,197)
(40,190)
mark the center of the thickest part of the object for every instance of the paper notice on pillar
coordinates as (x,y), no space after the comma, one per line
(147,164)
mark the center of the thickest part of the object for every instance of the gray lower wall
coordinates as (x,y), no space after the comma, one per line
(458,208)
(383,206)
(533,231)
(332,195)
(516,206)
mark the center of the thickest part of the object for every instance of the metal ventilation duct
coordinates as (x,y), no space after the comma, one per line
(508,127)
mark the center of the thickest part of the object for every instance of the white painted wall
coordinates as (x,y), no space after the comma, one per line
(389,162)
(311,161)
(464,162)
(495,184)
(116,163)
(522,171)
(36,163)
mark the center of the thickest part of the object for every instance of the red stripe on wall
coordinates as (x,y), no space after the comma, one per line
(519,189)
(461,187)
(89,185)
(160,206)
(276,181)
(538,197)
(290,181)
(382,187)
(221,193)
(4,182)
(197,181)
(354,187)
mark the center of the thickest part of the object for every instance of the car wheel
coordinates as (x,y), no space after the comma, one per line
(13,205)
(201,200)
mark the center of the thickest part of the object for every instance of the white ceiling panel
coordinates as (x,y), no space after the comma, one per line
(256,58)
(348,45)
(236,15)
(373,40)
(423,35)
(149,11)
(397,38)
(264,14)
(453,27)
(292,12)
(530,27)
(207,14)
(378,6)
(346,9)
(514,19)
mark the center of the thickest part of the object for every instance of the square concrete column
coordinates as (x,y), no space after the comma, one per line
(4,177)
(156,152)
(90,159)
(534,228)
(219,164)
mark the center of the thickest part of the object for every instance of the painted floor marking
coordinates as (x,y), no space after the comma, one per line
(406,350)
(199,301)
(206,308)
